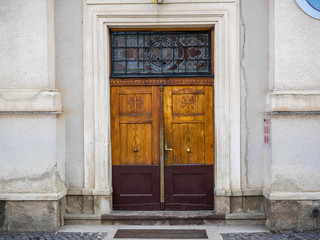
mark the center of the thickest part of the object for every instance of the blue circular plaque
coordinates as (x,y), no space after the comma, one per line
(315,4)
(310,7)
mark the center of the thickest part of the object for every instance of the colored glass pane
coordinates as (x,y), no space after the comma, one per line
(161,53)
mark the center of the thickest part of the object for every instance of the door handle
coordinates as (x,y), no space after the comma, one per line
(166,147)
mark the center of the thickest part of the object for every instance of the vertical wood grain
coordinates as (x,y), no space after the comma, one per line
(115,132)
(123,144)
(209,125)
(168,122)
(155,125)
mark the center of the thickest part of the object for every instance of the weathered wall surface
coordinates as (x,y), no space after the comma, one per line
(296,39)
(32,140)
(31,154)
(294,45)
(254,87)
(32,135)
(295,153)
(24,54)
(68,39)
(292,180)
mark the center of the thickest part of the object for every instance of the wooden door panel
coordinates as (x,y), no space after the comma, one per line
(135,125)
(189,187)
(188,136)
(188,117)
(135,136)
(188,130)
(135,147)
(136,187)
(135,103)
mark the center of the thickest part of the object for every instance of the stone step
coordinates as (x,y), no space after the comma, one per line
(166,218)
(163,217)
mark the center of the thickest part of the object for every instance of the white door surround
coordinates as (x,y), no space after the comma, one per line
(101,15)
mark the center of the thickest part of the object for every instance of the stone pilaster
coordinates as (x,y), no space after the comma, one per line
(32,136)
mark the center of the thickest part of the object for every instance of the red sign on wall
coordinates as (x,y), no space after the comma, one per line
(266,131)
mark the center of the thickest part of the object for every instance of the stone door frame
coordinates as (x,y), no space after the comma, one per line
(101,15)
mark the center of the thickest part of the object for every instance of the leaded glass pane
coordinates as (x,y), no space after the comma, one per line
(161,54)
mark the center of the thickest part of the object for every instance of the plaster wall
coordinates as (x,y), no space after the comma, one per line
(295,153)
(294,87)
(68,39)
(32,153)
(254,87)
(31,127)
(26,45)
(296,47)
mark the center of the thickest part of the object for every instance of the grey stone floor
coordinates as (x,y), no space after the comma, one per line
(214,232)
(52,236)
(289,235)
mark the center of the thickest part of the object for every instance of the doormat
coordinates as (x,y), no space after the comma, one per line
(161,233)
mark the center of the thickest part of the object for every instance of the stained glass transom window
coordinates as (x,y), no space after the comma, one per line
(161,54)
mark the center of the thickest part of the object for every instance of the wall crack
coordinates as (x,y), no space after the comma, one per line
(246,95)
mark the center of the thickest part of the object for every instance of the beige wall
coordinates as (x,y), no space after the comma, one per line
(32,140)
(68,37)
(24,54)
(294,99)
(296,39)
(254,87)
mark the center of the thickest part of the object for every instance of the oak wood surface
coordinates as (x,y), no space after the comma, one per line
(188,125)
(135,125)
(188,118)
(163,81)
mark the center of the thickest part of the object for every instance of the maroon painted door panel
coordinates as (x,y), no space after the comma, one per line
(189,187)
(136,187)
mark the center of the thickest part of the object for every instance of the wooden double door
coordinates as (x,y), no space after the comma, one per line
(162,147)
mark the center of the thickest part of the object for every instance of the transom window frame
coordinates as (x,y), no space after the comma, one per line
(175,43)
(162,80)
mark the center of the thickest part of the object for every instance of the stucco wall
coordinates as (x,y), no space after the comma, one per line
(32,153)
(296,39)
(295,153)
(68,38)
(24,44)
(294,64)
(254,87)
(31,131)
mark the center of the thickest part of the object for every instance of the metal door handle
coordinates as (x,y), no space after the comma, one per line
(135,149)
(188,150)
(166,148)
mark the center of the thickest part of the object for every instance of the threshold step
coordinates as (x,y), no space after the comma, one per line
(163,218)
(167,218)
(162,215)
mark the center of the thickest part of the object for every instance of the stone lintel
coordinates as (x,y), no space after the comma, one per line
(54,196)
(89,192)
(293,101)
(244,192)
(246,216)
(282,196)
(30,100)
